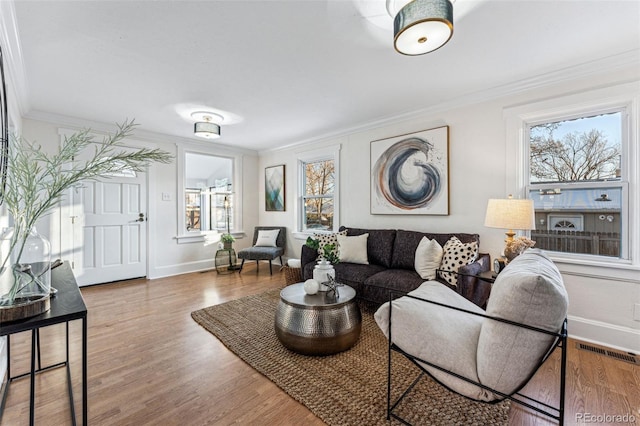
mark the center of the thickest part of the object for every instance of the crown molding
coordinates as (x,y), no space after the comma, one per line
(13,61)
(626,60)
(74,123)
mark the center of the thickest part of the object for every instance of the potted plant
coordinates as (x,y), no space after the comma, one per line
(324,272)
(327,252)
(227,241)
(35,183)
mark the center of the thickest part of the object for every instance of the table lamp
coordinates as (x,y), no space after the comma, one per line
(511,214)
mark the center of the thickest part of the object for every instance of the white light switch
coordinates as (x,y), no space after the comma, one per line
(166,196)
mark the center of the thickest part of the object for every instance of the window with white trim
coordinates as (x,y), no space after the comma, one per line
(318,190)
(208,197)
(208,193)
(576,175)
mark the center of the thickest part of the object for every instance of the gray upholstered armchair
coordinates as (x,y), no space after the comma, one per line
(487,355)
(265,246)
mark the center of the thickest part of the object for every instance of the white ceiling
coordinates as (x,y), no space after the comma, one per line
(292,70)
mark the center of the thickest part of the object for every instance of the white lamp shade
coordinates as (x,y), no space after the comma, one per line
(423,26)
(510,214)
(206,129)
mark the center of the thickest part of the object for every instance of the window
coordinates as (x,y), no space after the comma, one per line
(208,185)
(207,198)
(577,181)
(318,189)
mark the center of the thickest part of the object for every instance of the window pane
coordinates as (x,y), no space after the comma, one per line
(211,177)
(580,220)
(219,209)
(318,213)
(319,178)
(192,207)
(578,150)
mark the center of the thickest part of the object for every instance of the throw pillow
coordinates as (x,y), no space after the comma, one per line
(456,254)
(328,238)
(353,249)
(428,258)
(267,238)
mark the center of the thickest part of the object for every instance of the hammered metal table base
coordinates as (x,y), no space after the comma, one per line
(317,325)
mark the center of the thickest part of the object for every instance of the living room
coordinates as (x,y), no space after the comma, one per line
(484,120)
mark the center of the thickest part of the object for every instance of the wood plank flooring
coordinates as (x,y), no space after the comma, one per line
(151,364)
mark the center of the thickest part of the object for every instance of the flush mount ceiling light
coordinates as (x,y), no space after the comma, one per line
(422,26)
(207,124)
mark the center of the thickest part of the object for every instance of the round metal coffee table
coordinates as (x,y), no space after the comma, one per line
(317,324)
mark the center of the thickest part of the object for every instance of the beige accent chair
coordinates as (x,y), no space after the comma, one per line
(486,356)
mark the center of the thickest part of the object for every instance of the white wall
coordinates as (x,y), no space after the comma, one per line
(601,300)
(165,255)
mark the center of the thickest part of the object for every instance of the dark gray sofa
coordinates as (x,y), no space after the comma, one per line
(391,256)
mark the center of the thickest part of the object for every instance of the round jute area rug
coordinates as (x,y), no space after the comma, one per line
(349,388)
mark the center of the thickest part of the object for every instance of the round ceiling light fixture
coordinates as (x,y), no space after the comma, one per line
(422,26)
(207,124)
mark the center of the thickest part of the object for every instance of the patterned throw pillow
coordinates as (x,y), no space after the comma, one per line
(329,238)
(456,254)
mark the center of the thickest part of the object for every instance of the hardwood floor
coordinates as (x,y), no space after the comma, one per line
(151,364)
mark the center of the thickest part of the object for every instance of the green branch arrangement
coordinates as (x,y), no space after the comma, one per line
(37,182)
(327,251)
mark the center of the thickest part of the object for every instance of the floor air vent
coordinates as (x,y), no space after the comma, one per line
(612,354)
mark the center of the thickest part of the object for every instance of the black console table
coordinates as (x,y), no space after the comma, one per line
(67,305)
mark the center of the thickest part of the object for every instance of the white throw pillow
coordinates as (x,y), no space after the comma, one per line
(428,257)
(456,254)
(353,249)
(267,238)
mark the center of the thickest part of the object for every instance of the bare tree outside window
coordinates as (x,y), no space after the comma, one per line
(575,181)
(572,156)
(319,191)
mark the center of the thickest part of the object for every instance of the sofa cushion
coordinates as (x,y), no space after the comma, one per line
(456,255)
(427,258)
(437,334)
(348,273)
(353,249)
(377,286)
(406,243)
(529,291)
(379,244)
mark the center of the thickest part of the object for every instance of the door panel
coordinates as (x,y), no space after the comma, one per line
(112,238)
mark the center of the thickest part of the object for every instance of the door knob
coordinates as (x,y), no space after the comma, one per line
(140,218)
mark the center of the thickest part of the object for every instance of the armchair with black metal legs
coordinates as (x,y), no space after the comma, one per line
(485,356)
(265,246)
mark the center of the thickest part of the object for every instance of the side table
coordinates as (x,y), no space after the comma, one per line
(67,305)
(225,261)
(317,324)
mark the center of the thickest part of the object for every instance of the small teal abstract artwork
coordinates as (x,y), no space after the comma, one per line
(274,188)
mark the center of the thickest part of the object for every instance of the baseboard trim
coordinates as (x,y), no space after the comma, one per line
(601,333)
(182,268)
(198,266)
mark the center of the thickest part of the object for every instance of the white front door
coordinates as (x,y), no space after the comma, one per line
(109,229)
